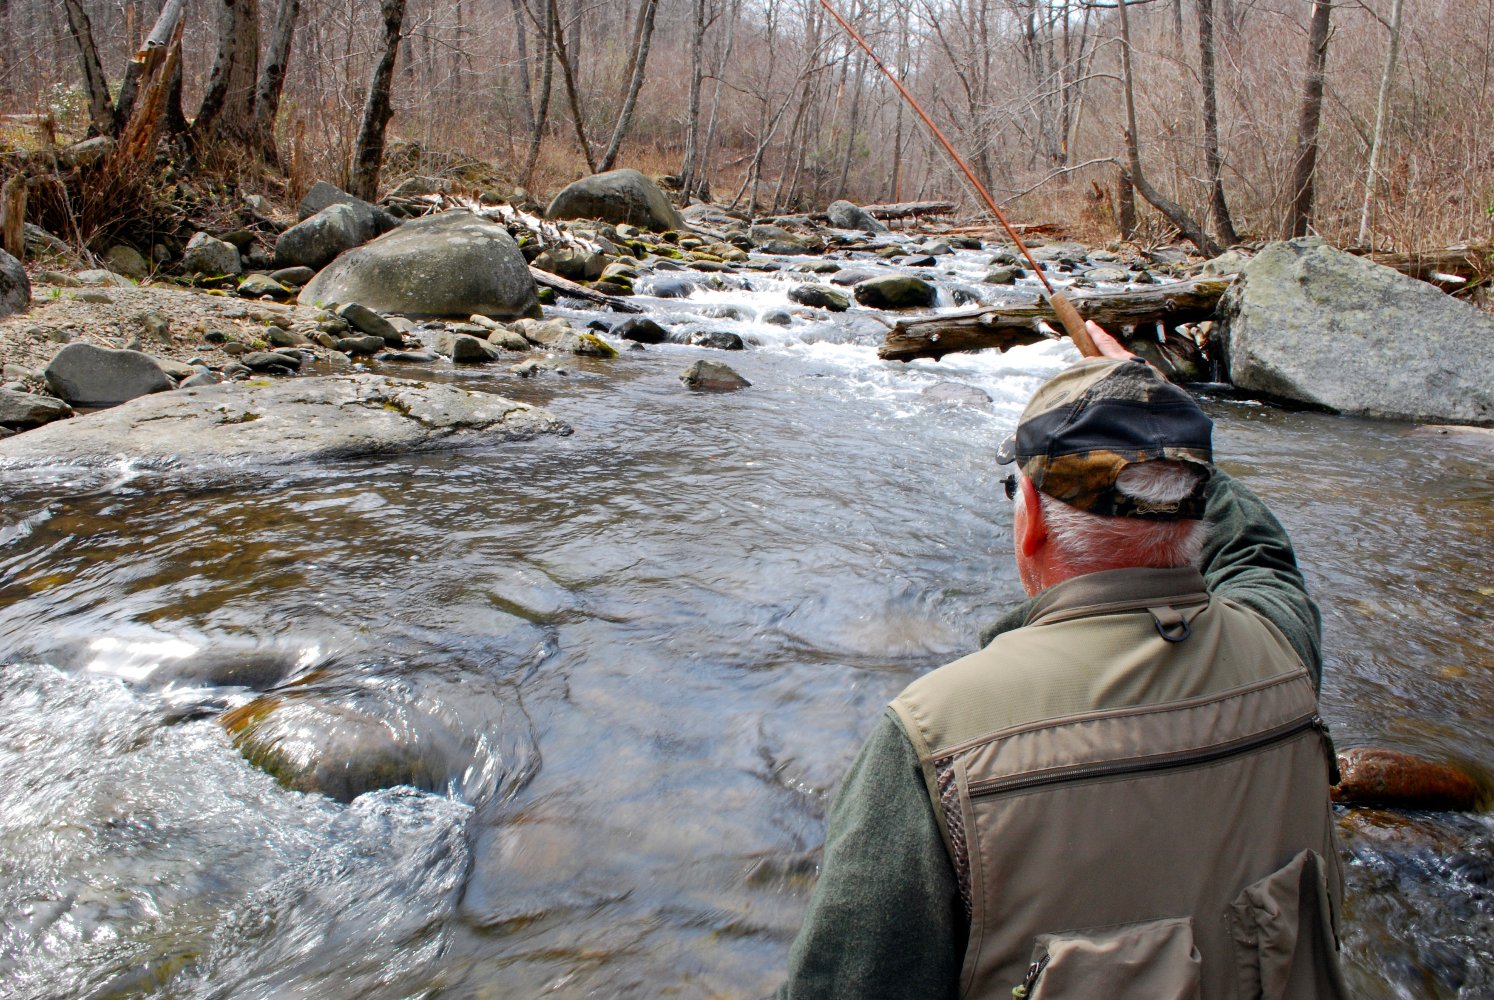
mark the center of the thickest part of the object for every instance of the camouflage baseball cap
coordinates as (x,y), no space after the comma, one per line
(1091,421)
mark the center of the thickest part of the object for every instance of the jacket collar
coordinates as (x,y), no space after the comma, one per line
(1118,590)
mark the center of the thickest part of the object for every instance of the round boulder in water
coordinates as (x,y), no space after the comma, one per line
(848,215)
(718,340)
(449,264)
(895,291)
(642,330)
(819,297)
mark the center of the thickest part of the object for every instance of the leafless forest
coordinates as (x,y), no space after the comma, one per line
(768,104)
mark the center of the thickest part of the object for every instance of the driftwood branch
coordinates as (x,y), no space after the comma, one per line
(911,209)
(1004,327)
(567,287)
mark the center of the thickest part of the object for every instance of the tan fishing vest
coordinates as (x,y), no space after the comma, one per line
(1134,790)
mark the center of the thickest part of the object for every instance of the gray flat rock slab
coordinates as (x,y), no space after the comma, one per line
(280,423)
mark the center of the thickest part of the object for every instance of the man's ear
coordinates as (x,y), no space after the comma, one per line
(1032,529)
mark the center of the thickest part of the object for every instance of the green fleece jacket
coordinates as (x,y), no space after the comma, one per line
(886,920)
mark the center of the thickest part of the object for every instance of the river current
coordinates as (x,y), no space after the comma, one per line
(645,654)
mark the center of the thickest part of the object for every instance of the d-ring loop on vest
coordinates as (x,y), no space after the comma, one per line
(1171,623)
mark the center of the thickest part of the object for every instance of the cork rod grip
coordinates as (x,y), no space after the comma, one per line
(1073,324)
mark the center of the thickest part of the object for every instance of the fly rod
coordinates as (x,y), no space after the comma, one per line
(1063,306)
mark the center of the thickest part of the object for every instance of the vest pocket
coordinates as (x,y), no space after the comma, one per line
(1155,960)
(1285,944)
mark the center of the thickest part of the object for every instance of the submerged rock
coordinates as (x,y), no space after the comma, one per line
(267,422)
(958,394)
(1375,776)
(338,750)
(712,376)
(1313,324)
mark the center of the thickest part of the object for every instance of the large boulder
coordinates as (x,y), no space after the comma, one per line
(86,375)
(277,422)
(323,195)
(1312,324)
(449,264)
(848,215)
(317,241)
(895,291)
(15,286)
(206,255)
(618,196)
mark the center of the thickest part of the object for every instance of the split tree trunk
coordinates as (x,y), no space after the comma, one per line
(1304,167)
(150,53)
(542,106)
(368,154)
(692,115)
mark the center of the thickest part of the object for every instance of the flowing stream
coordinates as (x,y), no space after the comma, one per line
(640,658)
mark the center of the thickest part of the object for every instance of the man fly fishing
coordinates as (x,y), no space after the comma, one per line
(1124,795)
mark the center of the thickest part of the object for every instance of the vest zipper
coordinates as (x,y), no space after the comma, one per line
(1030,980)
(1163,762)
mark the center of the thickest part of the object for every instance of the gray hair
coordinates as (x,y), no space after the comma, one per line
(1090,542)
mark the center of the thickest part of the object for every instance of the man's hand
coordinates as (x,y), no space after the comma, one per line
(1108,346)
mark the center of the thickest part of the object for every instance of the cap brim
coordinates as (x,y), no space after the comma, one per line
(1006,453)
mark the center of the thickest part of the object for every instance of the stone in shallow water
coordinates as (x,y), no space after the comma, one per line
(275,422)
(1375,776)
(642,330)
(718,340)
(895,291)
(958,394)
(712,376)
(819,297)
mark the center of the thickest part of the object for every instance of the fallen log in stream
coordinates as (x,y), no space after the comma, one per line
(1004,327)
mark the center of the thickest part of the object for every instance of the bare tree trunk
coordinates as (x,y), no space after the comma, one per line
(1382,106)
(690,166)
(227,110)
(1218,207)
(100,108)
(1299,219)
(645,35)
(13,215)
(520,33)
(368,154)
(702,177)
(157,41)
(1174,212)
(568,78)
(542,108)
(853,122)
(272,78)
(1126,197)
